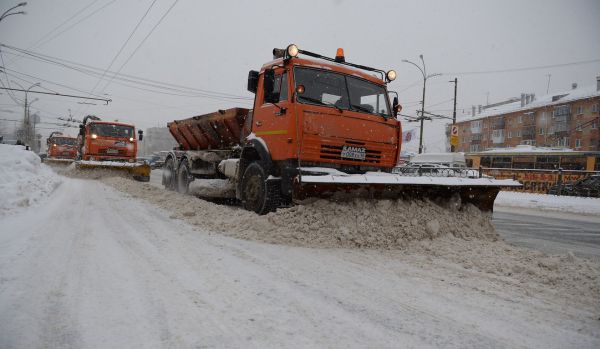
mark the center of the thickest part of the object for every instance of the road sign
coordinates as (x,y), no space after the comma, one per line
(454,136)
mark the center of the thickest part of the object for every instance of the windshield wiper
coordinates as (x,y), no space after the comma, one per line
(314,100)
(367,110)
(361,108)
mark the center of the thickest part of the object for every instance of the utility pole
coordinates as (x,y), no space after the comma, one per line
(452,147)
(548,87)
(26,121)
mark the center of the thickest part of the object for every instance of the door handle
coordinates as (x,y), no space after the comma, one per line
(259,123)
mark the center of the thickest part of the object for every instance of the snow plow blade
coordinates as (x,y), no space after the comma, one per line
(139,172)
(480,192)
(55,162)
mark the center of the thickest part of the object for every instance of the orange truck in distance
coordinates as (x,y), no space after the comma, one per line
(321,127)
(61,147)
(112,145)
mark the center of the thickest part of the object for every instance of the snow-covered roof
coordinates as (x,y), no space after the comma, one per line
(546,100)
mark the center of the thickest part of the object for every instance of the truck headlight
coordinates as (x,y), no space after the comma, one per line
(94,136)
(391,75)
(292,50)
(131,139)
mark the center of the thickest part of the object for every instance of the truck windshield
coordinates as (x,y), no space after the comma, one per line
(341,91)
(108,130)
(63,141)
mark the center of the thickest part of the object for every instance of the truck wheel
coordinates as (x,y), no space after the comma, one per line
(257,194)
(168,177)
(183,178)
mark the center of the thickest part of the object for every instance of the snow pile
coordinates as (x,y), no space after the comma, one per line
(385,224)
(572,204)
(24,180)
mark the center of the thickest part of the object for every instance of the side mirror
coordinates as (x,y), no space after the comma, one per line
(140,135)
(396,107)
(252,81)
(269,87)
(81,130)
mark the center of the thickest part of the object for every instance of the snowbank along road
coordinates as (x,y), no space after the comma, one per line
(116,263)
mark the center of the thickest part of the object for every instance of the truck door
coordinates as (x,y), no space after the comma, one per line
(271,120)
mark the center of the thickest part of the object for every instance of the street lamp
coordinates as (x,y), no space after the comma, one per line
(6,13)
(425,77)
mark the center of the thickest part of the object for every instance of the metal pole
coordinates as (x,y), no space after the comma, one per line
(452,147)
(422,118)
(25,122)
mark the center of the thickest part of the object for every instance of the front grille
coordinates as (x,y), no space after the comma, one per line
(120,152)
(334,152)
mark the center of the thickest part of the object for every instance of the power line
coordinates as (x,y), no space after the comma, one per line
(94,71)
(526,68)
(46,81)
(76,23)
(141,43)
(10,94)
(61,24)
(123,46)
(57,94)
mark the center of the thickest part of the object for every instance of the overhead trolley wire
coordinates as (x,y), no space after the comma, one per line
(94,71)
(123,46)
(141,43)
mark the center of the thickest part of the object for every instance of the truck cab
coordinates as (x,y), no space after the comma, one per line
(325,112)
(314,114)
(107,141)
(60,146)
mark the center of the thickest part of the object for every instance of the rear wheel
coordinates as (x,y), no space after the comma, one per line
(168,177)
(258,194)
(183,177)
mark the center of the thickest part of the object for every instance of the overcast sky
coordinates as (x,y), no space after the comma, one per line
(210,46)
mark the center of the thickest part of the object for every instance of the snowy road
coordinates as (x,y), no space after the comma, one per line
(555,233)
(97,269)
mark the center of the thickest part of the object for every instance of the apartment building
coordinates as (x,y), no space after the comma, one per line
(569,119)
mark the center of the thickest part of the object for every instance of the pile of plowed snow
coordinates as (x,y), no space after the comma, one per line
(24,180)
(387,224)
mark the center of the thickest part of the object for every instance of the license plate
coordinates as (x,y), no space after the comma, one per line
(112,151)
(355,153)
(66,153)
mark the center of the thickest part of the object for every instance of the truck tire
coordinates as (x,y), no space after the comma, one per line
(183,177)
(258,194)
(168,177)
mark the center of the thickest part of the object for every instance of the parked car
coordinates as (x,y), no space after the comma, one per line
(150,160)
(588,187)
(436,170)
(424,169)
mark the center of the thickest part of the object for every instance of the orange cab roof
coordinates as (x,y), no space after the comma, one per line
(326,65)
(109,123)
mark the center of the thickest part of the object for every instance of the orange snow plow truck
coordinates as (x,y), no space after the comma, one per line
(110,145)
(61,149)
(320,127)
